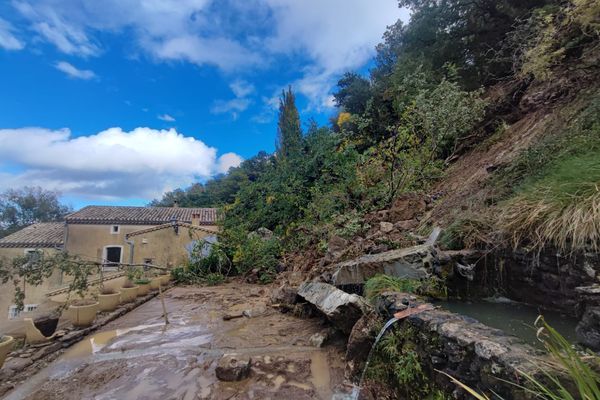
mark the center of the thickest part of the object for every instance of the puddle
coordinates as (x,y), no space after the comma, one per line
(96,342)
(320,376)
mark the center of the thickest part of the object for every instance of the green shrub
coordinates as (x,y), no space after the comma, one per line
(257,253)
(384,283)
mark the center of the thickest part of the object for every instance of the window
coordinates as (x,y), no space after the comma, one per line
(33,254)
(13,311)
(30,307)
(112,256)
(115,229)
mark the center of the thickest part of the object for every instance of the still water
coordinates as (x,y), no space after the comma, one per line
(513,318)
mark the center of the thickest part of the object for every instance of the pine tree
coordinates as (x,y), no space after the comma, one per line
(289,134)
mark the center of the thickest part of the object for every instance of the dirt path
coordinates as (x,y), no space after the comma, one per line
(138,357)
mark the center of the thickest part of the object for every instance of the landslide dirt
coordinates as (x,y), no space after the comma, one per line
(138,357)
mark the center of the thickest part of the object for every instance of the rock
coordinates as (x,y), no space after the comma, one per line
(233,367)
(255,311)
(318,339)
(406,207)
(16,364)
(588,329)
(341,309)
(386,227)
(412,262)
(360,341)
(336,245)
(406,225)
(284,295)
(389,303)
(44,351)
(257,292)
(466,271)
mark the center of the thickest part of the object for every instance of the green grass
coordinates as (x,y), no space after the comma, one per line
(562,207)
(385,283)
(551,193)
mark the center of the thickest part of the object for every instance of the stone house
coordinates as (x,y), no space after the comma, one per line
(137,235)
(46,238)
(108,234)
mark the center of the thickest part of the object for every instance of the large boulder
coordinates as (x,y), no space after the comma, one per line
(341,309)
(361,340)
(412,262)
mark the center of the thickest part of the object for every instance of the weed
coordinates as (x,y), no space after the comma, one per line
(383,283)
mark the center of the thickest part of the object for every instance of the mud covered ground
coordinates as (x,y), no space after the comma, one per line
(139,357)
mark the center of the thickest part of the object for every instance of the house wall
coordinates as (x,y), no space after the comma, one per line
(164,247)
(88,241)
(33,294)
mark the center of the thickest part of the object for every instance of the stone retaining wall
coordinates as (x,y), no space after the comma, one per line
(479,356)
(548,280)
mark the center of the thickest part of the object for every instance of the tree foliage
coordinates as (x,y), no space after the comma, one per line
(22,207)
(394,131)
(289,134)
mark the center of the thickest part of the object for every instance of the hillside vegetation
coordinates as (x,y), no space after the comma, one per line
(488,110)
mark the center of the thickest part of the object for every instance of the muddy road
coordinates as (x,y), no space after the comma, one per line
(139,357)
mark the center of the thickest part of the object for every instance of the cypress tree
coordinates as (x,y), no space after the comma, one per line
(289,134)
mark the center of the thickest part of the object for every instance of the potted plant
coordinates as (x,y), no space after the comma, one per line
(143,286)
(155,282)
(6,344)
(165,276)
(108,299)
(129,290)
(82,312)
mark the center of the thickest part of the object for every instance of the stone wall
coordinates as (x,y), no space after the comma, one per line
(548,280)
(481,357)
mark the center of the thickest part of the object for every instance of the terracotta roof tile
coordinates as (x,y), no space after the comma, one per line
(43,234)
(169,225)
(140,215)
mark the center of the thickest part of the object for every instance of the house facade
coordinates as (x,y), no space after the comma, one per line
(136,234)
(46,238)
(161,236)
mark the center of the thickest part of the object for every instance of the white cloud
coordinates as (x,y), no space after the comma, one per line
(58,28)
(322,39)
(233,107)
(110,164)
(241,88)
(224,53)
(166,118)
(228,160)
(8,40)
(74,72)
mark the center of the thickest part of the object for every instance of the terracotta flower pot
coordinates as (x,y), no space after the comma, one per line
(165,278)
(6,345)
(83,312)
(143,287)
(128,294)
(154,282)
(109,301)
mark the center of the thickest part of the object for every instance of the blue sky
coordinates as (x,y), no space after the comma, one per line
(115,102)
